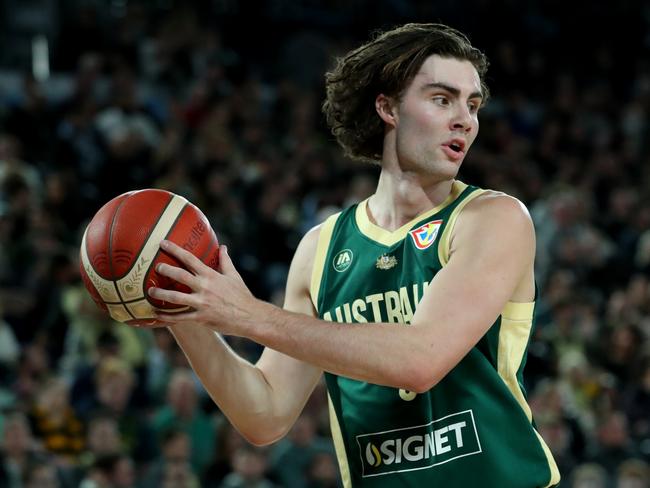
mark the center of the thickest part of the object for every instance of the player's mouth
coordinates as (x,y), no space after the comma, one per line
(454,149)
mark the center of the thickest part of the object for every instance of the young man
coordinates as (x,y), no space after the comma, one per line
(426,288)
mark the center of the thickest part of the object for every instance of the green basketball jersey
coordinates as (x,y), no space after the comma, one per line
(474,428)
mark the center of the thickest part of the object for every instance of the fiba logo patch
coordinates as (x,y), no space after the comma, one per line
(426,234)
(342,260)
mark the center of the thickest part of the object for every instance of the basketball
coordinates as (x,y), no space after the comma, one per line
(120,251)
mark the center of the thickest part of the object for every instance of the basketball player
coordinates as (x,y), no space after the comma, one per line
(417,303)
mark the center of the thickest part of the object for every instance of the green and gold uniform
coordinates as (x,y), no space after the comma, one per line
(474,428)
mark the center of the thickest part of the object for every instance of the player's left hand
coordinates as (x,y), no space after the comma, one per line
(219,298)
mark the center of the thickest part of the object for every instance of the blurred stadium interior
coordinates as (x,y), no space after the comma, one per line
(219,101)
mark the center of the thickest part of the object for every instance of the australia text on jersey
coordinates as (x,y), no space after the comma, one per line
(391,306)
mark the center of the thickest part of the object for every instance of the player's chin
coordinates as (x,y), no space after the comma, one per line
(454,162)
(448,169)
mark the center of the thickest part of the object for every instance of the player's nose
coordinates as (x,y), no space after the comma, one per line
(461,119)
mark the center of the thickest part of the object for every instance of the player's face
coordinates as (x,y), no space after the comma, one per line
(437,117)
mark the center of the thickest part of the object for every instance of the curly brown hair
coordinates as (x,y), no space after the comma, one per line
(386,64)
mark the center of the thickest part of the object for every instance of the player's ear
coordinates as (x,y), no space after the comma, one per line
(386,109)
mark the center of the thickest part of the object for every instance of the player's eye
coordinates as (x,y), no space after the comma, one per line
(441,100)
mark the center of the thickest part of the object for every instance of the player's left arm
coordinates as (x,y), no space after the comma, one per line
(491,256)
(491,262)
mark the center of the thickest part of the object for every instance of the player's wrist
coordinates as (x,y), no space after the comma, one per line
(258,319)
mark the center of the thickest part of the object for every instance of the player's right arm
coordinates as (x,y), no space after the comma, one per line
(262,400)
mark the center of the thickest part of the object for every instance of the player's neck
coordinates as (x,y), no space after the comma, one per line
(401,196)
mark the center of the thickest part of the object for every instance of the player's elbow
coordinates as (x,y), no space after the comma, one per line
(259,440)
(263,428)
(264,436)
(421,384)
(420,377)
(417,387)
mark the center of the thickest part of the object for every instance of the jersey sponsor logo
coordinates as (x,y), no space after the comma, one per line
(426,234)
(372,455)
(419,447)
(342,260)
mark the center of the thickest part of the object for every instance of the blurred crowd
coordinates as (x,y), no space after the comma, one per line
(220,103)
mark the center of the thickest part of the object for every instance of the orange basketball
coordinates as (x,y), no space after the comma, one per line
(120,251)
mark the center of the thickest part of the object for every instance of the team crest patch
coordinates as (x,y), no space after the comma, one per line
(426,234)
(386,262)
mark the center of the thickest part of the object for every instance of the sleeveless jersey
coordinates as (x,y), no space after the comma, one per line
(474,428)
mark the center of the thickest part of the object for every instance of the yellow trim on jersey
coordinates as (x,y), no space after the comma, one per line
(516,322)
(339,446)
(443,247)
(555,472)
(387,237)
(324,238)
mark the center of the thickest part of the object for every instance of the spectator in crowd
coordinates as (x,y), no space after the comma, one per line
(173,467)
(249,469)
(19,450)
(632,473)
(110,471)
(160,364)
(182,411)
(292,458)
(56,424)
(228,441)
(614,443)
(636,404)
(114,384)
(9,353)
(42,474)
(323,471)
(589,476)
(102,440)
(31,374)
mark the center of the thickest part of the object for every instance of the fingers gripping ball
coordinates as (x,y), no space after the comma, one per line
(120,251)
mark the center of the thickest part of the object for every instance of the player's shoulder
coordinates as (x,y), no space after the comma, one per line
(494,215)
(498,206)
(308,246)
(306,255)
(310,240)
(497,221)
